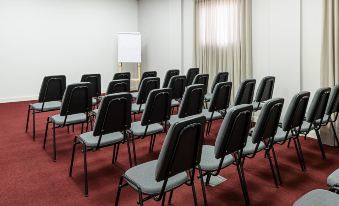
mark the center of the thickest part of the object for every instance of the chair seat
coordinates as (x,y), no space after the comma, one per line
(71,119)
(250,147)
(107,139)
(48,106)
(139,130)
(208,97)
(95,101)
(207,114)
(280,135)
(95,111)
(134,94)
(175,103)
(144,176)
(135,108)
(173,119)
(333,179)
(318,197)
(305,127)
(257,105)
(209,162)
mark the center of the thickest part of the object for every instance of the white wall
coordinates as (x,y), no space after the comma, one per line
(71,37)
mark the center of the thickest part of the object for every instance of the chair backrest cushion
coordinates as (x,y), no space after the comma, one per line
(117,86)
(177,84)
(169,75)
(146,75)
(95,80)
(52,88)
(202,79)
(192,102)
(245,92)
(191,73)
(147,85)
(265,90)
(221,96)
(318,105)
(220,77)
(122,75)
(333,101)
(77,99)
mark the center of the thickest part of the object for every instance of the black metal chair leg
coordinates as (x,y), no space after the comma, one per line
(113,155)
(194,193)
(150,144)
(119,191)
(33,113)
(54,143)
(46,130)
(116,153)
(208,178)
(243,184)
(28,114)
(129,152)
(82,128)
(73,128)
(320,144)
(289,142)
(141,201)
(202,185)
(170,198)
(73,153)
(334,133)
(163,199)
(272,168)
(276,165)
(134,151)
(85,170)
(299,154)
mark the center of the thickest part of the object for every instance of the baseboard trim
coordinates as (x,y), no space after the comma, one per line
(17,99)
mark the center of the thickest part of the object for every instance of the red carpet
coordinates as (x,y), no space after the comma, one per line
(28,176)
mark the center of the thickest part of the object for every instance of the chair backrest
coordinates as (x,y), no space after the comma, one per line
(268,120)
(202,79)
(221,97)
(169,75)
(245,92)
(95,80)
(233,132)
(181,150)
(333,101)
(265,90)
(158,107)
(192,102)
(52,88)
(147,85)
(77,99)
(318,105)
(191,73)
(146,75)
(296,110)
(122,75)
(220,77)
(114,114)
(177,84)
(117,86)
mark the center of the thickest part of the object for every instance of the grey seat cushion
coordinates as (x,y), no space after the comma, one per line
(144,176)
(71,119)
(48,106)
(333,179)
(94,101)
(134,94)
(173,119)
(175,103)
(135,108)
(209,162)
(207,114)
(95,111)
(318,197)
(280,135)
(107,139)
(139,130)
(250,147)
(305,127)
(257,105)
(208,97)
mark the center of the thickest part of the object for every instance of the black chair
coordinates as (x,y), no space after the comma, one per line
(51,91)
(220,77)
(245,92)
(75,108)
(168,76)
(154,118)
(315,116)
(263,134)
(177,84)
(180,154)
(111,125)
(229,146)
(122,75)
(191,104)
(191,73)
(291,124)
(95,89)
(219,103)
(143,76)
(331,112)
(202,79)
(118,86)
(147,85)
(264,92)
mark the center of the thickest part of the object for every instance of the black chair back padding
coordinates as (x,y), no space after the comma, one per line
(265,90)
(77,99)
(122,75)
(318,105)
(158,107)
(296,110)
(220,77)
(146,75)
(95,80)
(114,114)
(147,85)
(169,75)
(233,131)
(191,73)
(333,101)
(202,79)
(192,102)
(181,150)
(245,92)
(268,120)
(221,97)
(177,84)
(52,88)
(117,86)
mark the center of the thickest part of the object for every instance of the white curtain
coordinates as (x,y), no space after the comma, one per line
(224,38)
(330,54)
